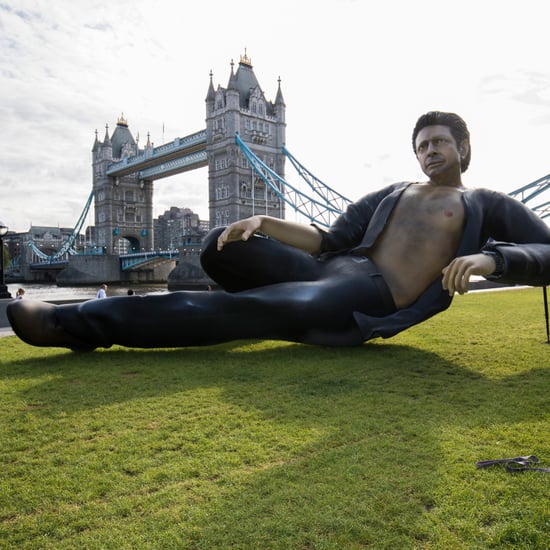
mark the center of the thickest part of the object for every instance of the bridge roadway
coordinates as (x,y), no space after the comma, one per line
(138,260)
(154,163)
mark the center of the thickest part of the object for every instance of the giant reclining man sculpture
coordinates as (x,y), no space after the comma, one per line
(395,258)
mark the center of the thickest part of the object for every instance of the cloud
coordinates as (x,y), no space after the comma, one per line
(22,14)
(103,27)
(532,88)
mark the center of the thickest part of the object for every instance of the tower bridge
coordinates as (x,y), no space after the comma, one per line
(123,174)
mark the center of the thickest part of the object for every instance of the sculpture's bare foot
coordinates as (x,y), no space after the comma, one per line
(36,324)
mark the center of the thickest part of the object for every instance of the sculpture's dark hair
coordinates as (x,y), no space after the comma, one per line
(458,128)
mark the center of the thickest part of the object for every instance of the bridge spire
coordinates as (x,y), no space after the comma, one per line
(96,143)
(279,100)
(232,84)
(211,94)
(107,139)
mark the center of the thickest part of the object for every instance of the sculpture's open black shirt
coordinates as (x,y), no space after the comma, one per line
(493,221)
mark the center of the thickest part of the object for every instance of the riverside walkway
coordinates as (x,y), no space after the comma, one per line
(5,329)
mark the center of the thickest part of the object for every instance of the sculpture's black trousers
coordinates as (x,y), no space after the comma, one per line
(272,291)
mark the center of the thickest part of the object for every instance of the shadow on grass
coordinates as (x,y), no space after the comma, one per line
(371,417)
(292,372)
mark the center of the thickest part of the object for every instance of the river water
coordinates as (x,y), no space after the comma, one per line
(46,292)
(53,292)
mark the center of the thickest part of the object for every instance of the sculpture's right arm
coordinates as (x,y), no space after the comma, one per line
(304,237)
(345,233)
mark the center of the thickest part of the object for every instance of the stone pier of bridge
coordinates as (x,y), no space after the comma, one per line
(182,272)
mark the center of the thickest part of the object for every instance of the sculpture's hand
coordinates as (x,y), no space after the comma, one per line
(456,275)
(241,230)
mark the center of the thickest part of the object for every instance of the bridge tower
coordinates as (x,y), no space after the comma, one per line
(235,191)
(123,205)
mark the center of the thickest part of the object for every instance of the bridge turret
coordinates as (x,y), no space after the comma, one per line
(232,94)
(210,96)
(107,146)
(96,145)
(280,115)
(280,106)
(122,141)
(231,113)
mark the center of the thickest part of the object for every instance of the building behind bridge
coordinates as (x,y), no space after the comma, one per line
(179,228)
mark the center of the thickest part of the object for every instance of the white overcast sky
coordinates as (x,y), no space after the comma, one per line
(355,75)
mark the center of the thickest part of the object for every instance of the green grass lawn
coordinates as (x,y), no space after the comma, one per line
(272,445)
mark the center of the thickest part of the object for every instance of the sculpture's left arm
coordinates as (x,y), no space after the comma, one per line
(520,241)
(521,263)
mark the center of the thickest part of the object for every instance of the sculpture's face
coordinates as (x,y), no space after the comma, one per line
(438,153)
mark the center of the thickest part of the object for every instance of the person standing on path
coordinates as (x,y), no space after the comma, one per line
(102,292)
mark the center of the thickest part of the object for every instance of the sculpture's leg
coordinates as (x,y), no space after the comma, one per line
(317,312)
(289,311)
(256,262)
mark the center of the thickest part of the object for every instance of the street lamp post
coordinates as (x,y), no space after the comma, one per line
(3,288)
